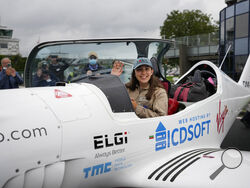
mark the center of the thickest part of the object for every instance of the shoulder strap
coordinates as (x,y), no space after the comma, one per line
(178,92)
(185,94)
(181,92)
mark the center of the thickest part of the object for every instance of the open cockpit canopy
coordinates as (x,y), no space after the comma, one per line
(68,61)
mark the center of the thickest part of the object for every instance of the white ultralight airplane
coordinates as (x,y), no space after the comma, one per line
(83,132)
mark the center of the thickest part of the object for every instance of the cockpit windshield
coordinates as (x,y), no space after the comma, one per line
(72,61)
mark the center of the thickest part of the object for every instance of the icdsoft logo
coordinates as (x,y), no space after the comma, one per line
(160,137)
(168,138)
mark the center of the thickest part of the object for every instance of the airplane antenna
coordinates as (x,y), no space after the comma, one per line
(225,56)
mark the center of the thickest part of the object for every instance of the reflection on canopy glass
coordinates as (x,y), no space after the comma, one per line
(71,62)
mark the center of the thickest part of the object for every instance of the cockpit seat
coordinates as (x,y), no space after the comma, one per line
(173,104)
(164,81)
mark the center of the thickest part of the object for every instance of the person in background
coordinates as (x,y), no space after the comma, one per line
(93,65)
(9,77)
(148,96)
(56,67)
(43,76)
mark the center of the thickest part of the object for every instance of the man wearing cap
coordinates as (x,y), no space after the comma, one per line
(9,78)
(56,67)
(148,96)
(93,65)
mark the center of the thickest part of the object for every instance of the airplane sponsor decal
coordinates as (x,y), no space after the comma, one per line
(116,165)
(105,141)
(97,169)
(220,118)
(61,94)
(121,163)
(171,169)
(23,134)
(160,137)
(192,128)
(208,156)
(151,137)
(109,153)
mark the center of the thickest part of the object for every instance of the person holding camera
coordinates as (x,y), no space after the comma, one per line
(9,77)
(43,76)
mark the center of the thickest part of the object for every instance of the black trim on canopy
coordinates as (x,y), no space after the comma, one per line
(114,90)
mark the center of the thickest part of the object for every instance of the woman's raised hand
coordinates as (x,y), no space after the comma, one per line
(117,68)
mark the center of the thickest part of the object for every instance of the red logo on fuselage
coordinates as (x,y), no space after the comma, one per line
(220,118)
(61,94)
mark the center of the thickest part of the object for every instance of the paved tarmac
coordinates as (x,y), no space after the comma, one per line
(238,137)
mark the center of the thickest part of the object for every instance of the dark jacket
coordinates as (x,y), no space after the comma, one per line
(9,82)
(58,70)
(93,68)
(40,82)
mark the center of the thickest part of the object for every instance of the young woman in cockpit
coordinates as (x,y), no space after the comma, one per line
(148,96)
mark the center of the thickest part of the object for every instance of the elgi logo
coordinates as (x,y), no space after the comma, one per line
(107,141)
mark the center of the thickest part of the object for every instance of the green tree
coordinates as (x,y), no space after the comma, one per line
(187,23)
(17,61)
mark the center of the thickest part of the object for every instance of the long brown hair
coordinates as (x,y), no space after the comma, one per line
(154,82)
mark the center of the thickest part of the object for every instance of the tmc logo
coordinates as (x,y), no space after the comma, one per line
(97,169)
(106,141)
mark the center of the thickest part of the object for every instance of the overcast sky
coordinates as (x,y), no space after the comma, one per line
(46,20)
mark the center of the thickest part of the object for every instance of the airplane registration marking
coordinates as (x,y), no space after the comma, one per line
(246,84)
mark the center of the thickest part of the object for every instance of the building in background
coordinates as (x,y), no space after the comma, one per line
(234,32)
(233,37)
(189,50)
(8,45)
